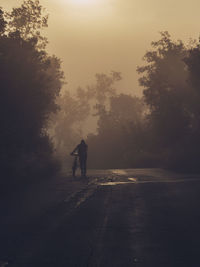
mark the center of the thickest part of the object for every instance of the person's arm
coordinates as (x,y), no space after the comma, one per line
(76,148)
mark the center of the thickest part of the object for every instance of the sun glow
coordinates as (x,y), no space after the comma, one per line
(84,2)
(85,11)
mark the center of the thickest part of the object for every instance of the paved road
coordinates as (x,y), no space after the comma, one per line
(115,218)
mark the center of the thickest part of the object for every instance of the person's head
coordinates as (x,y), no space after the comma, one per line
(82,142)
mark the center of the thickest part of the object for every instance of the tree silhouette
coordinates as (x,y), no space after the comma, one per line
(30,81)
(171,90)
(28,20)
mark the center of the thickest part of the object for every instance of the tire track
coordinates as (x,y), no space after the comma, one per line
(31,240)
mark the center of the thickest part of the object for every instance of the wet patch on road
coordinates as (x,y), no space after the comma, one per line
(119,172)
(115,183)
(111,182)
(130,181)
(133,179)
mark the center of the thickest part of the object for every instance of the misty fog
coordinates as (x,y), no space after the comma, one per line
(144,116)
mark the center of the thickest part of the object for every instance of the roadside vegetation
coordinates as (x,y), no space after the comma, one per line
(30,81)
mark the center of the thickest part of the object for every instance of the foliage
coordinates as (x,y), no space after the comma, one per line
(3,23)
(171,90)
(119,131)
(30,82)
(28,20)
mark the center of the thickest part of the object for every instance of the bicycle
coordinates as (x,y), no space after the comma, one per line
(75,163)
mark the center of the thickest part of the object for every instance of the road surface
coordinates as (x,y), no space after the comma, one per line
(114,218)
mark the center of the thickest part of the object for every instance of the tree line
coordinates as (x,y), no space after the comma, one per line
(159,129)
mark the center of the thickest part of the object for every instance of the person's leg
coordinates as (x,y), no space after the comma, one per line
(84,166)
(81,166)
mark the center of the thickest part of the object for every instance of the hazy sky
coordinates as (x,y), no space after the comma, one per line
(93,36)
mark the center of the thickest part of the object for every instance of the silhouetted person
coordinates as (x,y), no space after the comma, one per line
(82,149)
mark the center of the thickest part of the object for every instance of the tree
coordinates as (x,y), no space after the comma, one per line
(30,81)
(166,89)
(3,23)
(120,129)
(28,20)
(171,91)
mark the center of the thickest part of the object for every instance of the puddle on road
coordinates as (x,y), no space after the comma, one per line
(136,181)
(115,183)
(169,181)
(131,181)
